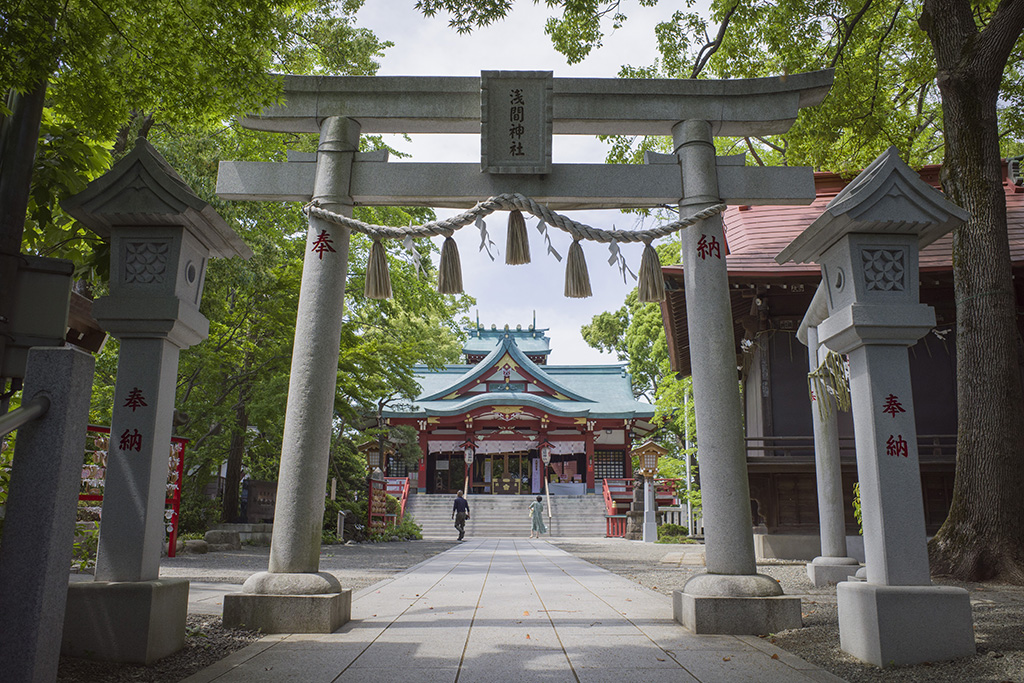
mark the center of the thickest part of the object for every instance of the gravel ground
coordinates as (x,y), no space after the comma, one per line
(998,610)
(998,615)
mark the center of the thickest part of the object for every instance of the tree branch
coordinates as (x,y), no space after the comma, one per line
(996,41)
(768,143)
(710,48)
(757,157)
(849,32)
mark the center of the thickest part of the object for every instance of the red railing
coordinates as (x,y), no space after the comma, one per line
(94,475)
(399,488)
(618,495)
(616,526)
(617,492)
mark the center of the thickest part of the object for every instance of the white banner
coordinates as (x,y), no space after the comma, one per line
(486,447)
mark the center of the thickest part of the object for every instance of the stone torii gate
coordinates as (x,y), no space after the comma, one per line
(516,114)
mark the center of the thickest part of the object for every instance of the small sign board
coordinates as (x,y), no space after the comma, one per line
(515,121)
(377,507)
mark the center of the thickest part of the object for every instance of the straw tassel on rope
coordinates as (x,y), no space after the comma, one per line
(517,243)
(577,280)
(651,284)
(378,278)
(449,277)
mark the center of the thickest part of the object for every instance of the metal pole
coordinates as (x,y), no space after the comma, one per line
(24,414)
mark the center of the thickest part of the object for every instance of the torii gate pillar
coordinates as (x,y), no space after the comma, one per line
(731,597)
(294,596)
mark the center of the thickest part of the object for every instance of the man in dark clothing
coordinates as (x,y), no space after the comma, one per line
(460,513)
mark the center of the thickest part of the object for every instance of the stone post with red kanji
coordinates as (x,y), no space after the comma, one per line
(867,243)
(161,239)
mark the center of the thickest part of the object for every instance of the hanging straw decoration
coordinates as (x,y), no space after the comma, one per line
(449,277)
(378,278)
(517,243)
(829,385)
(651,287)
(577,280)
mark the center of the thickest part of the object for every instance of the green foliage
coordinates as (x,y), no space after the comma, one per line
(885,90)
(197,512)
(467,14)
(188,62)
(6,458)
(406,531)
(87,541)
(672,530)
(66,161)
(857,513)
(636,334)
(673,533)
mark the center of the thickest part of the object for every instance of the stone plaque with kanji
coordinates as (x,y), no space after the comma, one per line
(515,121)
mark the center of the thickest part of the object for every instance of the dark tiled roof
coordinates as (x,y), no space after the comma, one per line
(756,234)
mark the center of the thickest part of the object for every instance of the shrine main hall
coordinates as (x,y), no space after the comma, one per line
(502,410)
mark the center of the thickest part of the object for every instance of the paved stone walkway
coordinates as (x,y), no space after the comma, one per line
(497,610)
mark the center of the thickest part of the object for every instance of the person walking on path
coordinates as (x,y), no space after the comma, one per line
(460,513)
(537,519)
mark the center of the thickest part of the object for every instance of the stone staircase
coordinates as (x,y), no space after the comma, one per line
(508,516)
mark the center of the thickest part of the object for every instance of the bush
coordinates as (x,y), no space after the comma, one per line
(196,512)
(672,530)
(673,533)
(408,530)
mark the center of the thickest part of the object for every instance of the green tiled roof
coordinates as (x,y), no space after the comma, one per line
(593,391)
(483,341)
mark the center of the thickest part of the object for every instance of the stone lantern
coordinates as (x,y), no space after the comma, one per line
(161,238)
(647,455)
(867,243)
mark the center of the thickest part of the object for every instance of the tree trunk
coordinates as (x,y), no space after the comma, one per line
(983,536)
(19,135)
(233,476)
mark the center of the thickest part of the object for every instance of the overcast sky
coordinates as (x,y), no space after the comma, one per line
(510,294)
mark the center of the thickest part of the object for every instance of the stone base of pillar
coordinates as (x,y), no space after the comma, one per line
(735,605)
(898,625)
(650,529)
(286,602)
(136,622)
(826,571)
(324,613)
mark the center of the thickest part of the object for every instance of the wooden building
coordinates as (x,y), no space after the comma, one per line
(507,404)
(768,303)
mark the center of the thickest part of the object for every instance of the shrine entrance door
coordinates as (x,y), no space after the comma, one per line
(449,473)
(510,473)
